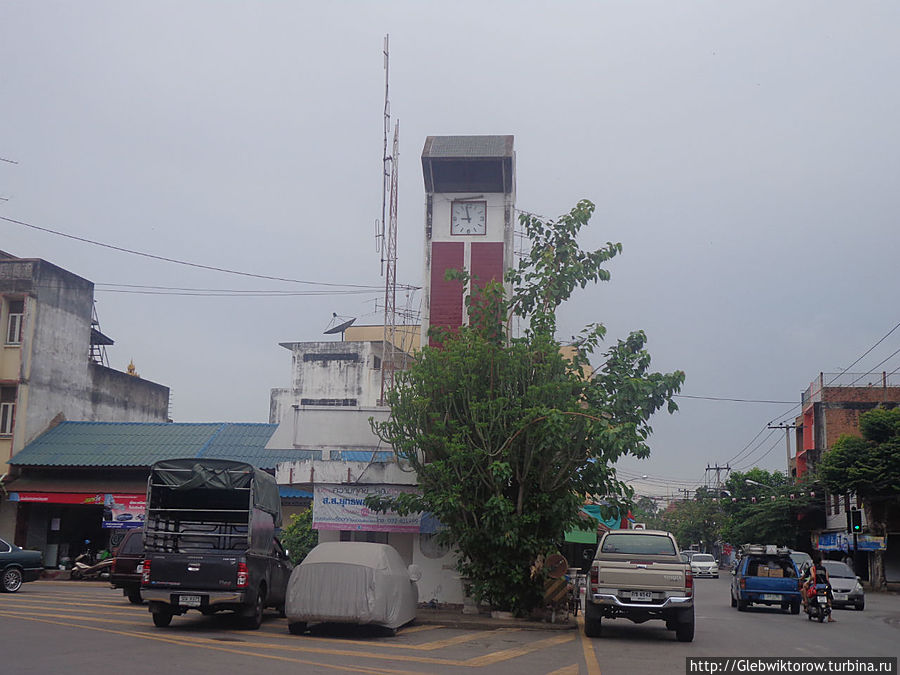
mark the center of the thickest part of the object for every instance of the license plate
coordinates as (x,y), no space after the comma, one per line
(840,596)
(641,596)
(822,600)
(771,596)
(189,600)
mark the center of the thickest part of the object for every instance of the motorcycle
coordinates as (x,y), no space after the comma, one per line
(817,607)
(85,567)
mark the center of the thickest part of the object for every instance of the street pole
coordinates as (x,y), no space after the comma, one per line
(787,439)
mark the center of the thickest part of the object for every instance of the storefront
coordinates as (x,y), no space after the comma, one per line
(64,524)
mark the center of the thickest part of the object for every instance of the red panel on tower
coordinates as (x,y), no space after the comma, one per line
(446,296)
(487,262)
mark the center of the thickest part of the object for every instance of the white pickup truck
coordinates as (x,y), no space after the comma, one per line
(639,575)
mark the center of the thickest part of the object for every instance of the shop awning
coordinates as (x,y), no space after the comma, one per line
(57,488)
(581,536)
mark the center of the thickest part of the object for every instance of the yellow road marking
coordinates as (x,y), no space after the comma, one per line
(590,656)
(506,654)
(425,646)
(274,657)
(568,670)
(212,643)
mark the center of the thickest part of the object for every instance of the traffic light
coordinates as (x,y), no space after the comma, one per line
(856,521)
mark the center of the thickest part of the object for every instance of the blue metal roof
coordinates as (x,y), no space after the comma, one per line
(140,444)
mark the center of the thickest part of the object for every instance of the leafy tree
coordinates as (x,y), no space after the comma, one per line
(870,468)
(695,521)
(505,434)
(299,537)
(646,511)
(770,510)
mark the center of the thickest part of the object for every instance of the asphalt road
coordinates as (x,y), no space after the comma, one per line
(83,627)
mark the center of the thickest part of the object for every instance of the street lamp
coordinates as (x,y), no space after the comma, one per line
(753,482)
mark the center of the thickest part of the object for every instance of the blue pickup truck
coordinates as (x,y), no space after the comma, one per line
(765,575)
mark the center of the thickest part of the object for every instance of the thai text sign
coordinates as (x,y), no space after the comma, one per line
(343,507)
(123,511)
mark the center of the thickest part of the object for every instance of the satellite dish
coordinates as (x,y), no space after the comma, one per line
(339,324)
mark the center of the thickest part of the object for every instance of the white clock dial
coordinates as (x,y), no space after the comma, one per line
(468,218)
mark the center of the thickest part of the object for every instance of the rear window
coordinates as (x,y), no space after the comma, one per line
(638,544)
(703,557)
(771,566)
(132,544)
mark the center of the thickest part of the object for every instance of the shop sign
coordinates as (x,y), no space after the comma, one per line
(343,507)
(122,511)
(58,497)
(841,541)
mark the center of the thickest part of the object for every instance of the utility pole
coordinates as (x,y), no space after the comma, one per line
(719,469)
(787,439)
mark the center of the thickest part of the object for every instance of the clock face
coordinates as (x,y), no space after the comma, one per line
(468,218)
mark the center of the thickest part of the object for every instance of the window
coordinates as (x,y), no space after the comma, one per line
(637,544)
(7,410)
(15,322)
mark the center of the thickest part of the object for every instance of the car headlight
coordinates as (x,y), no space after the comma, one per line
(858,588)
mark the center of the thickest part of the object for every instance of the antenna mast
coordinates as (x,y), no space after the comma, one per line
(389,240)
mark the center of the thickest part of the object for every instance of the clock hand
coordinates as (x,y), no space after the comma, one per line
(468,217)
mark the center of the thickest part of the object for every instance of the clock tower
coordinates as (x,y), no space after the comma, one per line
(470,196)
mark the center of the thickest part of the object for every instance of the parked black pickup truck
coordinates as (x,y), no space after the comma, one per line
(209,540)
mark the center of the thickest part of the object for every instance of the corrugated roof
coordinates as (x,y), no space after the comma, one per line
(138,444)
(468,146)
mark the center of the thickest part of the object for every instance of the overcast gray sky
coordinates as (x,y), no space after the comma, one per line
(745,154)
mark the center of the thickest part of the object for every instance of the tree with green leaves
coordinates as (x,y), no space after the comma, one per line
(507,436)
(869,467)
(695,521)
(299,537)
(763,507)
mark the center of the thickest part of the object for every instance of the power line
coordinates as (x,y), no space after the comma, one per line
(874,367)
(736,400)
(868,351)
(176,261)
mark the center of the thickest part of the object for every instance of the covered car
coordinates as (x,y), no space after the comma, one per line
(352,582)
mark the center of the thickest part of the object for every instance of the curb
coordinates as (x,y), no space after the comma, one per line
(455,619)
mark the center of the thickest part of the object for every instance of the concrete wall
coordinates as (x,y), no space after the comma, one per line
(56,378)
(330,371)
(120,397)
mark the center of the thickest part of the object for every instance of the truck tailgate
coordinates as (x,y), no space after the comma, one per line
(638,574)
(193,571)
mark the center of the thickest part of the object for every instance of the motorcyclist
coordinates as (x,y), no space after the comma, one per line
(816,574)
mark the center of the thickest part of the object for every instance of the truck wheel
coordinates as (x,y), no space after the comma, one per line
(733,601)
(297,628)
(742,605)
(254,621)
(795,607)
(162,619)
(592,623)
(685,630)
(134,596)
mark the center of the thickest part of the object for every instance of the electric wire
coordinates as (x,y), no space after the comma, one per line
(874,367)
(186,263)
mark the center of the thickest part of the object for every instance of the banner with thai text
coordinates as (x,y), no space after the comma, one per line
(343,507)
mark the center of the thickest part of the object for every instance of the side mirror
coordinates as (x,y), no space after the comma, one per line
(415,572)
